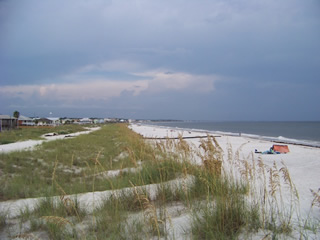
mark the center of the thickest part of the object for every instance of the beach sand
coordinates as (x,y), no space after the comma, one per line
(302,162)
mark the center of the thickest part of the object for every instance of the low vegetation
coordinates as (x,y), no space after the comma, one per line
(146,189)
(35,133)
(74,164)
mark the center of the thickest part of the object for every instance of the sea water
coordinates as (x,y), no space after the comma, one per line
(305,133)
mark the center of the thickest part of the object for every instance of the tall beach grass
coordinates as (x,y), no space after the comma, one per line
(233,198)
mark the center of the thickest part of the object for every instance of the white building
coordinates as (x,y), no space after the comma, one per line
(25,121)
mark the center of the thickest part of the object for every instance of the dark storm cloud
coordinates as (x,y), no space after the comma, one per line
(238,51)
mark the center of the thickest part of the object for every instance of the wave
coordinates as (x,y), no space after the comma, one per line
(278,139)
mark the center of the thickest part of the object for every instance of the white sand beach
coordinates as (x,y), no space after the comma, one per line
(302,162)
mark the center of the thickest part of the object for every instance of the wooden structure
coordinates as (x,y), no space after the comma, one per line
(7,122)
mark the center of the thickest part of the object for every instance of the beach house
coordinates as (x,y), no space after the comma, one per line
(43,122)
(25,121)
(55,121)
(7,122)
(85,121)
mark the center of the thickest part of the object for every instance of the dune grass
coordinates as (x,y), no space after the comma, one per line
(57,217)
(225,219)
(82,164)
(77,165)
(72,162)
(219,203)
(35,133)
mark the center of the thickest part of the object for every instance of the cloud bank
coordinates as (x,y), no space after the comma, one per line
(91,82)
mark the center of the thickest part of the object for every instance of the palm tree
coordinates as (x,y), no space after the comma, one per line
(16,114)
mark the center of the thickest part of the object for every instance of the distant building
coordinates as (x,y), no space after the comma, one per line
(76,120)
(66,120)
(54,121)
(25,121)
(97,120)
(85,121)
(7,122)
(44,122)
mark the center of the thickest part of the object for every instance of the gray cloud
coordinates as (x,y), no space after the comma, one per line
(92,82)
(122,44)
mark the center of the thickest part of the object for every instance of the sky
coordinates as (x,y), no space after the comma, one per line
(219,60)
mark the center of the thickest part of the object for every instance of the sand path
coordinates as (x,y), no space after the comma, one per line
(30,144)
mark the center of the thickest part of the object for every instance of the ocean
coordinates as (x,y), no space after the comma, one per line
(305,133)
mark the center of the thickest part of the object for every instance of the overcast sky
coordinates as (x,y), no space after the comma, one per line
(168,59)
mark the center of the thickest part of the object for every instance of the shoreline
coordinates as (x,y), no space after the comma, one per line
(298,142)
(299,161)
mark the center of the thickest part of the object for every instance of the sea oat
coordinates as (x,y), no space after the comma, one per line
(26,236)
(150,212)
(316,198)
(54,170)
(72,159)
(287,179)
(274,180)
(183,146)
(132,156)
(230,153)
(60,221)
